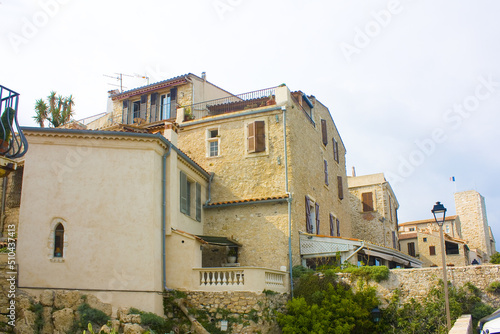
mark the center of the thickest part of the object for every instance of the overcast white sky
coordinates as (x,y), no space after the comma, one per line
(413,86)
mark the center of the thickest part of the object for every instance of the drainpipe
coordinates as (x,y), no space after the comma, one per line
(289,200)
(210,188)
(164,213)
(4,193)
(356,251)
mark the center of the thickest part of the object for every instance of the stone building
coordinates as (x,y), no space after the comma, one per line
(471,208)
(374,210)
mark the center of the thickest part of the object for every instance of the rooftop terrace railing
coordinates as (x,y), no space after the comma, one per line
(13,143)
(233,103)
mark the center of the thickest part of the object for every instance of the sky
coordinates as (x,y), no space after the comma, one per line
(413,86)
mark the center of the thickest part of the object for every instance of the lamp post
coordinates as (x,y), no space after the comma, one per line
(439,212)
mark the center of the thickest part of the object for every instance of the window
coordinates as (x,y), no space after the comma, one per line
(411,248)
(447,228)
(186,195)
(367,200)
(165,106)
(332,226)
(451,248)
(213,140)
(324,132)
(425,239)
(326,171)
(125,113)
(312,216)
(432,250)
(412,229)
(153,112)
(59,241)
(256,137)
(338,228)
(340,187)
(335,145)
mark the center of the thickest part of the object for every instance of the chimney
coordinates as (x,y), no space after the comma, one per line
(353,171)
(171,133)
(204,76)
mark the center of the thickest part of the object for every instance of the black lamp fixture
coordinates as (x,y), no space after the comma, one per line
(439,212)
(376,314)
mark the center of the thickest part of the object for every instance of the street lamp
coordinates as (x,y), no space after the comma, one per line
(439,212)
(376,314)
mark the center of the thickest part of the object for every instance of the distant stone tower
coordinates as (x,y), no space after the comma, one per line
(471,209)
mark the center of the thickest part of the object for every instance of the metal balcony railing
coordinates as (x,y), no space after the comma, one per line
(13,143)
(233,103)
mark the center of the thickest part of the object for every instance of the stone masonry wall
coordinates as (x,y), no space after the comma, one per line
(13,199)
(471,209)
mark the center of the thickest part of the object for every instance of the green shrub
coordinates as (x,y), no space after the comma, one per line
(89,315)
(494,287)
(38,310)
(368,273)
(299,271)
(495,258)
(155,322)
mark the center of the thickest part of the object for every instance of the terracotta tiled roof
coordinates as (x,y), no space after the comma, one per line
(157,85)
(248,200)
(431,220)
(403,236)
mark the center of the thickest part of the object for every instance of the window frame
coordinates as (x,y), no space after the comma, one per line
(210,140)
(190,196)
(256,142)
(340,187)
(432,250)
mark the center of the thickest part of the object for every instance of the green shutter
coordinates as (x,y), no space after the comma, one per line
(184,194)
(198,202)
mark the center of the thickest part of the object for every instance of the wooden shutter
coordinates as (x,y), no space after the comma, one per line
(317,218)
(184,193)
(173,103)
(432,250)
(332,229)
(341,187)
(338,228)
(324,132)
(143,107)
(411,248)
(326,172)
(335,145)
(251,137)
(308,216)
(125,112)
(367,199)
(394,240)
(153,113)
(198,202)
(260,136)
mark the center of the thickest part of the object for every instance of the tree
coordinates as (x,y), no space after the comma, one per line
(58,111)
(495,258)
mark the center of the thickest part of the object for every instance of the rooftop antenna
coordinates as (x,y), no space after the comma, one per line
(143,77)
(119,77)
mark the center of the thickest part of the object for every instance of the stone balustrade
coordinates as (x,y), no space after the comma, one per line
(239,279)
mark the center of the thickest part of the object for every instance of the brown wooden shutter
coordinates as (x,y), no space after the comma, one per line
(411,248)
(308,216)
(324,132)
(341,187)
(153,116)
(432,250)
(317,218)
(251,137)
(260,136)
(367,199)
(125,112)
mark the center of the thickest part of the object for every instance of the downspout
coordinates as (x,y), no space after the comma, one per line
(164,214)
(355,252)
(210,188)
(289,200)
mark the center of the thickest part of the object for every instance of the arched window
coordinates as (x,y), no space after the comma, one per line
(59,240)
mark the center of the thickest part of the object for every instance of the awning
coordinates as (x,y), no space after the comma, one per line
(218,241)
(386,256)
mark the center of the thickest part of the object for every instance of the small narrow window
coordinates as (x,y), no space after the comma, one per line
(59,241)
(412,229)
(213,142)
(332,227)
(326,171)
(338,228)
(256,137)
(185,194)
(335,145)
(340,187)
(324,132)
(136,111)
(425,239)
(432,250)
(411,248)
(367,200)
(317,218)
(165,106)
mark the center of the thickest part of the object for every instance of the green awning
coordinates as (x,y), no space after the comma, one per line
(218,241)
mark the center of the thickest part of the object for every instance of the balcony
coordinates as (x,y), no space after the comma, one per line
(13,144)
(234,103)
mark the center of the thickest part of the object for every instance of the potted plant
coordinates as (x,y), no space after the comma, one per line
(188,115)
(271,100)
(231,255)
(5,128)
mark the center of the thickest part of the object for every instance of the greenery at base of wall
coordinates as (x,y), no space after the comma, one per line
(367,273)
(495,258)
(38,310)
(324,305)
(494,287)
(88,315)
(154,322)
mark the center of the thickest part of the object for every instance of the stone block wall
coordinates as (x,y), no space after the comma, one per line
(10,216)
